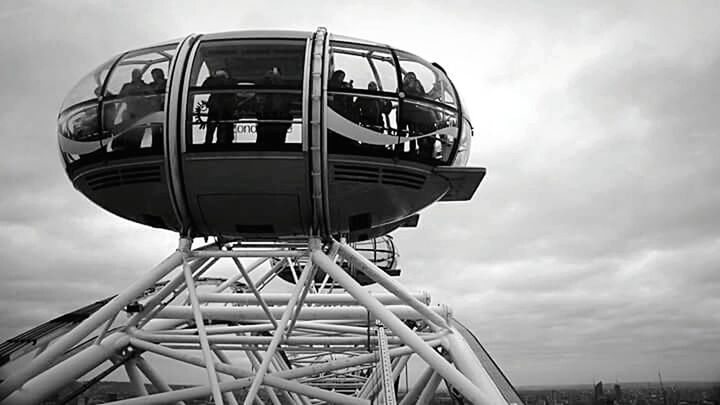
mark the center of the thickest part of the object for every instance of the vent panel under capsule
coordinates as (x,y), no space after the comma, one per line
(379,175)
(120,176)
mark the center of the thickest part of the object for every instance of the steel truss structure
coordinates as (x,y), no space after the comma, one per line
(325,342)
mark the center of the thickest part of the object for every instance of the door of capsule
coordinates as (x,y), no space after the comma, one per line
(243,154)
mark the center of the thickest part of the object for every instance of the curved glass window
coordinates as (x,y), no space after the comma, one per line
(78,122)
(362,100)
(89,87)
(246,95)
(463,153)
(132,109)
(368,114)
(421,79)
(362,68)
(428,132)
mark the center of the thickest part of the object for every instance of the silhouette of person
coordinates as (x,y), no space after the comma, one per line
(342,104)
(370,111)
(416,119)
(136,107)
(273,107)
(159,81)
(221,107)
(157,86)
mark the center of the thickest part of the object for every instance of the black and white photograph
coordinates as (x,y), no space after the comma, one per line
(360,202)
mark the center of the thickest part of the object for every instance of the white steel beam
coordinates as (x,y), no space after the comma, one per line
(75,336)
(155,378)
(200,324)
(278,335)
(135,378)
(249,299)
(433,358)
(382,278)
(345,313)
(469,364)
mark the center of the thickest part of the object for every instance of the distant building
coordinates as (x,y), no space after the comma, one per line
(598,394)
(618,392)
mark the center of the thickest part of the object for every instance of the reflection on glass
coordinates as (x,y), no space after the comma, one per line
(78,133)
(247,62)
(89,87)
(246,95)
(423,80)
(366,127)
(245,119)
(134,122)
(132,112)
(428,133)
(362,65)
(463,153)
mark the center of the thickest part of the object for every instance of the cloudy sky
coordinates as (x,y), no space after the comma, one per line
(591,250)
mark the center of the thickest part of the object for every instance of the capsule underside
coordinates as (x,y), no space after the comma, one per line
(265,135)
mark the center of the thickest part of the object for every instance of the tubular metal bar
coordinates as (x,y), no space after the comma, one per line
(204,391)
(380,277)
(279,332)
(75,336)
(306,288)
(55,378)
(276,380)
(328,327)
(154,377)
(411,396)
(221,330)
(227,283)
(255,292)
(248,299)
(270,274)
(200,324)
(249,253)
(433,358)
(468,363)
(428,392)
(263,340)
(155,302)
(228,396)
(256,364)
(236,314)
(135,378)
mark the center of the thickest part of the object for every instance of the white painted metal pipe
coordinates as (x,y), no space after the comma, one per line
(433,358)
(265,340)
(428,391)
(277,335)
(414,393)
(467,362)
(249,253)
(382,278)
(345,313)
(136,380)
(154,377)
(323,299)
(56,378)
(275,380)
(75,336)
(200,325)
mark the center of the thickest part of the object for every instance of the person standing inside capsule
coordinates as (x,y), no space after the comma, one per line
(221,107)
(135,94)
(157,87)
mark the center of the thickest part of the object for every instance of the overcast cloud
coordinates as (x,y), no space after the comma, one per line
(592,248)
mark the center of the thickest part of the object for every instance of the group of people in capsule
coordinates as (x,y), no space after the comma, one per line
(374,113)
(131,114)
(272,111)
